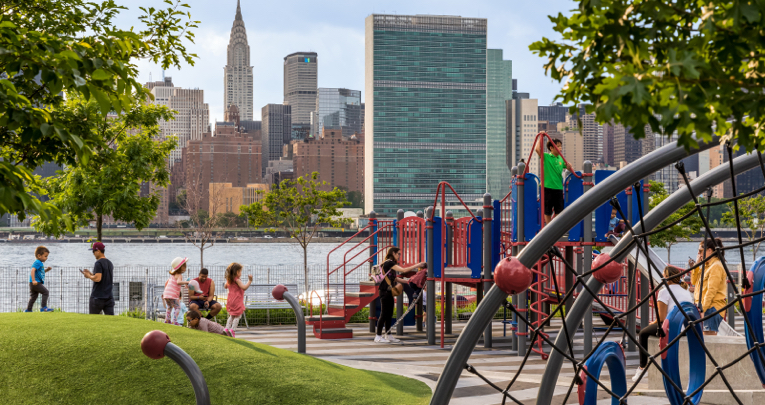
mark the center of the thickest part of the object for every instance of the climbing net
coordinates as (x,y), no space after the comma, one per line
(684,320)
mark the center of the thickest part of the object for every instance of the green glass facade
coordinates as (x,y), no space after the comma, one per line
(428,109)
(499,88)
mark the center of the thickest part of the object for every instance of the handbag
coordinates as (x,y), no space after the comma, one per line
(395,291)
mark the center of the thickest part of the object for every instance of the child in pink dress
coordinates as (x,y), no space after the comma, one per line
(235,299)
(172,293)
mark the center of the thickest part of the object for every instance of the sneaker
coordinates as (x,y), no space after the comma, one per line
(377,338)
(383,339)
(46,309)
(233,333)
(636,378)
(26,310)
(393,340)
(225,330)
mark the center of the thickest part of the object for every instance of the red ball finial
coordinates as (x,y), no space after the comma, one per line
(153,344)
(512,277)
(278,292)
(610,272)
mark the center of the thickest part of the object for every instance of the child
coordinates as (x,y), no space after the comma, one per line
(615,226)
(172,293)
(196,321)
(235,300)
(37,280)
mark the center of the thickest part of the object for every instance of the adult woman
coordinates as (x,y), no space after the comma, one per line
(666,304)
(390,268)
(710,293)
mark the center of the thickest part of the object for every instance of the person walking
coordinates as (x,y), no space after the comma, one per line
(101,298)
(235,300)
(37,280)
(390,268)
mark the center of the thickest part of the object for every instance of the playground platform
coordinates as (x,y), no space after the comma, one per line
(416,359)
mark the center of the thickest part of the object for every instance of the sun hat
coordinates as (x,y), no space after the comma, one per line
(194,286)
(177,263)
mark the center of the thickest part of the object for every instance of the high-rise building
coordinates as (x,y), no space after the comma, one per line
(276,131)
(573,147)
(228,157)
(668,175)
(337,157)
(553,114)
(499,89)
(746,182)
(425,89)
(300,85)
(608,144)
(224,197)
(338,109)
(525,127)
(592,136)
(192,114)
(237,79)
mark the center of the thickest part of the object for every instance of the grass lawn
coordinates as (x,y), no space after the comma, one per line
(83,359)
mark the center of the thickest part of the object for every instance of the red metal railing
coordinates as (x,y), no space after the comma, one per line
(412,231)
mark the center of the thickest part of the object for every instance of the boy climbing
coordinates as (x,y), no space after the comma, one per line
(553,177)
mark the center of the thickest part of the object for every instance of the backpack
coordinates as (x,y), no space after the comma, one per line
(376,274)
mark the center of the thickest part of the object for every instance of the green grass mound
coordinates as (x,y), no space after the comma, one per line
(72,358)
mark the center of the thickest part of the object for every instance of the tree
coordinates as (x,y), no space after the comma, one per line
(355,198)
(695,67)
(751,211)
(669,237)
(299,208)
(109,182)
(201,228)
(49,48)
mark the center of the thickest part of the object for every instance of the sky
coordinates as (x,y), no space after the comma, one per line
(335,30)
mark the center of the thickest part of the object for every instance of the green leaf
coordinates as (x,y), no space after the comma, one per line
(100,74)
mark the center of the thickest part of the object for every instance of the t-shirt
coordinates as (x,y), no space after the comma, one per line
(680,293)
(612,223)
(205,287)
(103,288)
(554,166)
(39,272)
(387,267)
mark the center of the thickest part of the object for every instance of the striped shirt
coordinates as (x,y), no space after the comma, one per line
(172,289)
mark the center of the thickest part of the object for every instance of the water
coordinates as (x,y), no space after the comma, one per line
(156,254)
(682,251)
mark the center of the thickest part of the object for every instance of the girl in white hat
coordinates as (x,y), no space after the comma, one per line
(172,293)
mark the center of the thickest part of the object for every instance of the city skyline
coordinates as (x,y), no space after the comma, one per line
(336,34)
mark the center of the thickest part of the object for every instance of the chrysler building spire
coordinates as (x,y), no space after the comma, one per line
(237,80)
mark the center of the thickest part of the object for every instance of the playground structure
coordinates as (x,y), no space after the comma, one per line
(156,345)
(560,261)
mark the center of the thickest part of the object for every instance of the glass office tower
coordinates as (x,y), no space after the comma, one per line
(338,108)
(499,88)
(425,85)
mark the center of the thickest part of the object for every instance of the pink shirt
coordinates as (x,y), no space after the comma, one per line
(172,289)
(235,300)
(206,325)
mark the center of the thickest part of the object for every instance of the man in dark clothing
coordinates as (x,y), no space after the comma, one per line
(101,298)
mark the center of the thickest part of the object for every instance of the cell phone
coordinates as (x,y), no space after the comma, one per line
(82,271)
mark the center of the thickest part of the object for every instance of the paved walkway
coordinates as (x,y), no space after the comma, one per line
(416,359)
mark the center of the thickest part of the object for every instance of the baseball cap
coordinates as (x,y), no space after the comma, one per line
(97,246)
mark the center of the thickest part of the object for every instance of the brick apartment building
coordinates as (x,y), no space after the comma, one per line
(223,197)
(338,158)
(231,156)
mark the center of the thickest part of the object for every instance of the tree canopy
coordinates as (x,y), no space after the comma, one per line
(685,65)
(669,237)
(49,48)
(109,182)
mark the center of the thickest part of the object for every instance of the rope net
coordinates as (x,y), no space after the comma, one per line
(690,316)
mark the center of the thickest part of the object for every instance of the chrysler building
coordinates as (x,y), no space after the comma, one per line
(237,89)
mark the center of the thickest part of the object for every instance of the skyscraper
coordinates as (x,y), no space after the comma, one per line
(524,128)
(338,108)
(237,79)
(553,114)
(425,90)
(499,89)
(592,136)
(275,131)
(300,85)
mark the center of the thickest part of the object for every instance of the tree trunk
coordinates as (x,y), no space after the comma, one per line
(202,256)
(669,260)
(99,226)
(305,269)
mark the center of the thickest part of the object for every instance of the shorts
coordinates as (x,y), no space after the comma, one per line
(201,303)
(712,324)
(553,201)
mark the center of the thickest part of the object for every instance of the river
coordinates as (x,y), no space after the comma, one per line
(156,254)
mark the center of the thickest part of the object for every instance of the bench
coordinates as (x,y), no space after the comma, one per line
(258,296)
